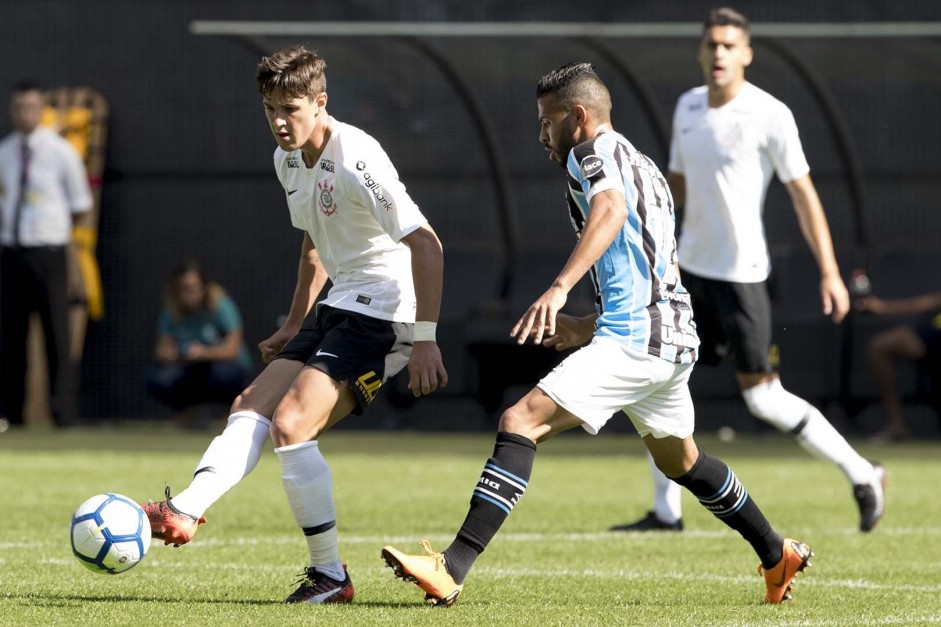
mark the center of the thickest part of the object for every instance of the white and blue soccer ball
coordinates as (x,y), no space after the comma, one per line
(110,533)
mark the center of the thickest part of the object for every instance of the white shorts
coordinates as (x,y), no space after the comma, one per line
(605,377)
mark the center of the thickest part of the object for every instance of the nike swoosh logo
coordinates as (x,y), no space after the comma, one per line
(291,192)
(320,352)
(322,596)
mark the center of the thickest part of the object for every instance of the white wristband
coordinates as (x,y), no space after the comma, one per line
(424,331)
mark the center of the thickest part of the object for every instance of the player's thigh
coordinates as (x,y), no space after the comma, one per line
(666,411)
(264,393)
(745,312)
(313,403)
(537,417)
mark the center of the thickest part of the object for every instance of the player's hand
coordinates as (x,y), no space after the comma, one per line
(539,319)
(570,332)
(194,352)
(870,304)
(273,345)
(426,371)
(835,297)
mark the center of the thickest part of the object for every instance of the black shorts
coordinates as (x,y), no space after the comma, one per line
(732,318)
(353,347)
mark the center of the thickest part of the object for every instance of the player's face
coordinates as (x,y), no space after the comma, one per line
(293,120)
(724,53)
(557,128)
(26,110)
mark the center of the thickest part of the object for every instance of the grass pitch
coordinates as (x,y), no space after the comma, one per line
(553,563)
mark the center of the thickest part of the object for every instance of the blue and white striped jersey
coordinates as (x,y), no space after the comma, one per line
(640,299)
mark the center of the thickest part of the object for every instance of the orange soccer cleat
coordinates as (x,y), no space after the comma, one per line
(796,557)
(428,572)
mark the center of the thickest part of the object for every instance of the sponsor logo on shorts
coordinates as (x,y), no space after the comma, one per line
(323,353)
(368,384)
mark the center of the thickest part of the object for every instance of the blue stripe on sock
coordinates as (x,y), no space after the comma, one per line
(728,479)
(499,470)
(492,500)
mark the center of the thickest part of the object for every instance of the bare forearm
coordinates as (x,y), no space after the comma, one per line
(813,224)
(913,305)
(427,275)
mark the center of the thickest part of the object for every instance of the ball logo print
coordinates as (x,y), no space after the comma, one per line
(110,533)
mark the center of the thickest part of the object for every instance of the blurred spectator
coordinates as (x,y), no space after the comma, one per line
(919,343)
(44,194)
(200,354)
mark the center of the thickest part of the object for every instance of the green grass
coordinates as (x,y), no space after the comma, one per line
(553,563)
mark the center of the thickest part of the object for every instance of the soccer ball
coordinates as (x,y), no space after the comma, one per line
(110,533)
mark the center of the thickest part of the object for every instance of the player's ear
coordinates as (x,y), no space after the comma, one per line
(321,99)
(581,114)
(748,56)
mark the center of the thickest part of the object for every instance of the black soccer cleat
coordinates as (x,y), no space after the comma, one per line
(870,497)
(317,587)
(650,522)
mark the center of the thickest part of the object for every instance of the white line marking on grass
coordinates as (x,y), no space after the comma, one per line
(204,543)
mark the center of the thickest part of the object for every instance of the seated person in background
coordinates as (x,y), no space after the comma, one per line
(200,352)
(919,342)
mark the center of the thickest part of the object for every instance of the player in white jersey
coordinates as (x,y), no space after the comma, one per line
(364,233)
(729,137)
(640,346)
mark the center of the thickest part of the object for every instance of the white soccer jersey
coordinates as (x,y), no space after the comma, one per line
(727,156)
(356,211)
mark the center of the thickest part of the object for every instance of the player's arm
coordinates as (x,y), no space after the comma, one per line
(166,350)
(571,331)
(311,278)
(425,367)
(606,218)
(813,223)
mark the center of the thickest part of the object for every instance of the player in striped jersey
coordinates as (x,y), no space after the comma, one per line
(729,137)
(641,346)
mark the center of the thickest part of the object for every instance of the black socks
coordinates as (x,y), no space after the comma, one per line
(501,484)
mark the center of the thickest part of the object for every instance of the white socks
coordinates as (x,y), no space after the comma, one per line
(791,414)
(667,495)
(308,484)
(230,457)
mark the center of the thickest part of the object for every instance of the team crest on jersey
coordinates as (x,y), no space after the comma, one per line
(325,198)
(590,166)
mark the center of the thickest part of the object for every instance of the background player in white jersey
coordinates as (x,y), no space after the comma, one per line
(641,351)
(362,230)
(729,136)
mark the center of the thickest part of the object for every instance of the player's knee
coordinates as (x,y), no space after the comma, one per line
(518,420)
(773,404)
(288,426)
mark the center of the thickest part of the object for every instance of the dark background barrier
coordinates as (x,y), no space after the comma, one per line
(188,170)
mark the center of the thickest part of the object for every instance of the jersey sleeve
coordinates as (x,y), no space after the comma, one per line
(784,147)
(675,163)
(373,181)
(593,166)
(280,168)
(76,179)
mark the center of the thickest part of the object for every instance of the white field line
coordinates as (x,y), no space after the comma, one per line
(903,532)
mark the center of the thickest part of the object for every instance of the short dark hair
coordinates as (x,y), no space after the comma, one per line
(576,83)
(26,85)
(296,72)
(725,16)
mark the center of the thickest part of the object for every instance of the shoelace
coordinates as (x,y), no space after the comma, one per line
(305,577)
(439,557)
